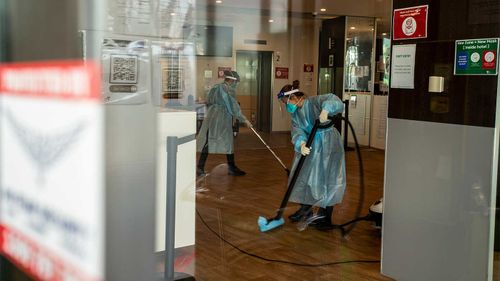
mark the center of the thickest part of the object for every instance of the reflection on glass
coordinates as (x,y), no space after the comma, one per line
(358,59)
(386,62)
(326,85)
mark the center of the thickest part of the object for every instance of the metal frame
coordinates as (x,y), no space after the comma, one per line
(171,186)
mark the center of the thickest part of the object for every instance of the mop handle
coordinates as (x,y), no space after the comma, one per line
(274,154)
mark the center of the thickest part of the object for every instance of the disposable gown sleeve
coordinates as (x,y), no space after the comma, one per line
(331,103)
(233,107)
(299,135)
(211,96)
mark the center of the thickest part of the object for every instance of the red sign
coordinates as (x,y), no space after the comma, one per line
(38,217)
(35,260)
(308,67)
(281,73)
(59,80)
(220,72)
(489,59)
(410,23)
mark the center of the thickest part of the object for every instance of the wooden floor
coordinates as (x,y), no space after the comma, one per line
(231,206)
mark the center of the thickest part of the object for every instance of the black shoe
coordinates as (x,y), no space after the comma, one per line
(324,223)
(304,212)
(235,171)
(200,172)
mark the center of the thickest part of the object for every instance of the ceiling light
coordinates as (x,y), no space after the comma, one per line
(172,14)
(352,27)
(384,34)
(271,20)
(323,9)
(218,1)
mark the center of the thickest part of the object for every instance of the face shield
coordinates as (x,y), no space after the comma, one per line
(284,97)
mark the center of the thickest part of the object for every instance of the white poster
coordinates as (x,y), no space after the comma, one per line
(51,184)
(403,66)
(173,72)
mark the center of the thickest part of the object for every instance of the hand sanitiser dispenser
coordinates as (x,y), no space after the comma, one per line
(436,84)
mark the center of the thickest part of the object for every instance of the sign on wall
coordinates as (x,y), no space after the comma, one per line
(51,184)
(220,71)
(126,69)
(476,56)
(308,67)
(281,73)
(403,66)
(410,23)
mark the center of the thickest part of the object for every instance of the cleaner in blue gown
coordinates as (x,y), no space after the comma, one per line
(216,132)
(322,180)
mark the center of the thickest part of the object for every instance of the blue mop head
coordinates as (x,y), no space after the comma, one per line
(265,225)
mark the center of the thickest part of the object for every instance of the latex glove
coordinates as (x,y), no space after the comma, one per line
(248,123)
(304,150)
(323,116)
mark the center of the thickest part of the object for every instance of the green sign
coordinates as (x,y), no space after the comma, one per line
(476,57)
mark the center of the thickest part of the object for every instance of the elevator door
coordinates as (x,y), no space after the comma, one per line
(254,92)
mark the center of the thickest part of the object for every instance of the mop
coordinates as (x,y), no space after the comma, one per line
(269,148)
(277,221)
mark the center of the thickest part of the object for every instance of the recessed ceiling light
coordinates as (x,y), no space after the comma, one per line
(323,9)
(352,27)
(271,20)
(172,14)
(218,1)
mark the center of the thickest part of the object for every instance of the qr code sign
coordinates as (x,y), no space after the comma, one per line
(124,69)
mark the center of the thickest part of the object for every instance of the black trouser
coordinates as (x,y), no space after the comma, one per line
(204,156)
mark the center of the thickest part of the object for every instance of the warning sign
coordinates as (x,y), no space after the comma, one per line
(220,72)
(52,194)
(281,73)
(410,23)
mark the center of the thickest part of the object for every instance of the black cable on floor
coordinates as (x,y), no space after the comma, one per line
(276,260)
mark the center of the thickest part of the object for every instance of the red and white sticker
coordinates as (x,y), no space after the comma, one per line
(489,59)
(410,23)
(281,73)
(63,80)
(51,161)
(36,261)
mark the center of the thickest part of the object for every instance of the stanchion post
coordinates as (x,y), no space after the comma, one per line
(171,186)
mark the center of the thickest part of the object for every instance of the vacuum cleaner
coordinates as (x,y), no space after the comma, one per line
(374,215)
(277,221)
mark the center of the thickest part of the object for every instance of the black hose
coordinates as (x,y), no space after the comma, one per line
(361,185)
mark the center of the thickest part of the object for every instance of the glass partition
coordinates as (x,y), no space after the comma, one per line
(208,74)
(359,54)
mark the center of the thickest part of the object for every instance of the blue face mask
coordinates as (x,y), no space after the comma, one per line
(233,86)
(290,107)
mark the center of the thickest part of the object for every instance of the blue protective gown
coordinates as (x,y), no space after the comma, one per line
(218,122)
(321,181)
